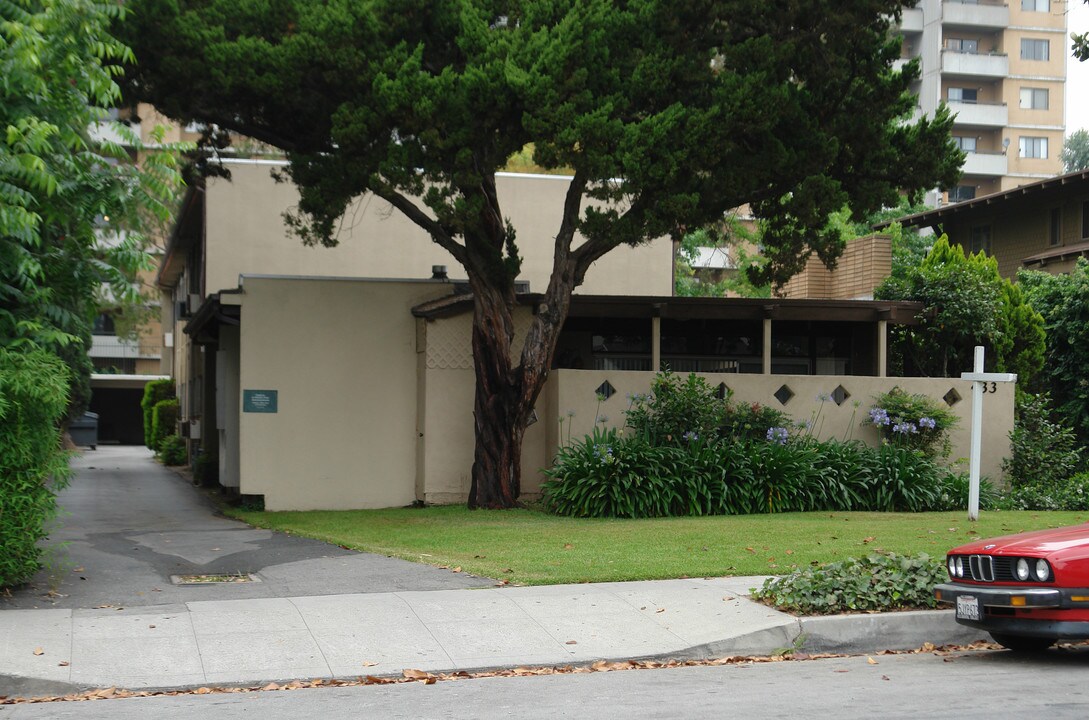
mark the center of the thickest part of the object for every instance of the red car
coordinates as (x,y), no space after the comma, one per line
(1027,590)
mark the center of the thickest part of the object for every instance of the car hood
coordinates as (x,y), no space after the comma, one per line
(1038,543)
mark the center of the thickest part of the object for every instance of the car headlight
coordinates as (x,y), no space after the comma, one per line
(1043,571)
(1022,569)
(960,566)
(952,566)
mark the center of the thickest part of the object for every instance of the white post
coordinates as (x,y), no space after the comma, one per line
(977,438)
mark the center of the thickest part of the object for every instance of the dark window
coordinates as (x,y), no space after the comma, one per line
(981,239)
(1055,228)
(961,193)
(964,95)
(104,325)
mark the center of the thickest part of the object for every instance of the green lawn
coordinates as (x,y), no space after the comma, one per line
(533,548)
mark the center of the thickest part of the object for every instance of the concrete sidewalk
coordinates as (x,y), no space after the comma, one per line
(344,636)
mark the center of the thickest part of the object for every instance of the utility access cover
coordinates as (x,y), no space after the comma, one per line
(215,579)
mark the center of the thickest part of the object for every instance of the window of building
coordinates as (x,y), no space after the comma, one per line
(981,239)
(1033,147)
(103,325)
(1035,49)
(961,193)
(1036,5)
(962,45)
(1034,98)
(1055,227)
(964,95)
(967,144)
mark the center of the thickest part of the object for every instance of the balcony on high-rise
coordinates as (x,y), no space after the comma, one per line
(912,20)
(987,115)
(980,65)
(977,14)
(985,163)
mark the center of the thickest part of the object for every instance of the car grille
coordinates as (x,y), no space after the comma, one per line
(988,568)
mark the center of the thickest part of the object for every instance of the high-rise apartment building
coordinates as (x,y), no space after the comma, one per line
(1001,68)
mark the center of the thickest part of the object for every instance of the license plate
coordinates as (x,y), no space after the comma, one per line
(968,607)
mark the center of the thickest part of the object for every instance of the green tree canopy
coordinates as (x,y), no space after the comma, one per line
(1075,152)
(667,113)
(71,206)
(1063,301)
(967,303)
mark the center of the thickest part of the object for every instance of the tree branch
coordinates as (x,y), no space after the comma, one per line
(413,212)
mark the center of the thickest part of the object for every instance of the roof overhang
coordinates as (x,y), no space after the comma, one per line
(692,308)
(216,310)
(1032,191)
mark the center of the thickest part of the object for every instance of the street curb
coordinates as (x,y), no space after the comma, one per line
(885,631)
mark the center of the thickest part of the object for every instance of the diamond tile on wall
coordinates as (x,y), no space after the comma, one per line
(952,397)
(605,390)
(840,395)
(722,392)
(784,394)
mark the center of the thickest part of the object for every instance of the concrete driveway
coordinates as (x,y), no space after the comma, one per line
(128,525)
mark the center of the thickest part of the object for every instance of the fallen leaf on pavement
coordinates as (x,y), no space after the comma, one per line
(660,610)
(368,663)
(572,642)
(871,661)
(841,671)
(457,569)
(884,677)
(39,651)
(62,663)
(412,674)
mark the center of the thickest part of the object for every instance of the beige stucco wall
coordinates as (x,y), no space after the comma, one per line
(246,234)
(574,391)
(342,356)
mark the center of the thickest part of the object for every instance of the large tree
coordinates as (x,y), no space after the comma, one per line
(668,113)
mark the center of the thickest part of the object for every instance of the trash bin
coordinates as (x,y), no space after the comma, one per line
(84,431)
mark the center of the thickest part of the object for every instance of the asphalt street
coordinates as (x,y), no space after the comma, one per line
(984,685)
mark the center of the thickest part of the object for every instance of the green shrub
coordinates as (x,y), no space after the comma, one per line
(154,392)
(1043,452)
(676,409)
(172,450)
(206,468)
(1070,494)
(913,421)
(33,397)
(164,421)
(873,583)
(751,421)
(608,474)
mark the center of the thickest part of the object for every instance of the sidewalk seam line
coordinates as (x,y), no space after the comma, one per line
(196,642)
(426,627)
(309,630)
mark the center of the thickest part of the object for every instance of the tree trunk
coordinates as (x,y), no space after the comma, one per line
(498,424)
(505,394)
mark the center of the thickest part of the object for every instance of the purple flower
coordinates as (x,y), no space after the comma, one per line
(928,423)
(905,428)
(778,435)
(879,416)
(690,436)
